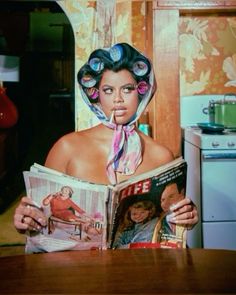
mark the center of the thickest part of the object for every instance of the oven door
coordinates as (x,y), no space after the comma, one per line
(218,174)
(218,185)
(219,199)
(219,235)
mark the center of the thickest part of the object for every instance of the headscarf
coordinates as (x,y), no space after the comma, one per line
(126,149)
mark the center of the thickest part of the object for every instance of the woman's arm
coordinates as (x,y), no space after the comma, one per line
(47,200)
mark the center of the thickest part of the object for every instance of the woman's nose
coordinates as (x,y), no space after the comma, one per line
(118,96)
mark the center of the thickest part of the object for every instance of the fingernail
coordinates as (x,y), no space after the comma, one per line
(170,216)
(173,219)
(41,221)
(173,207)
(36,205)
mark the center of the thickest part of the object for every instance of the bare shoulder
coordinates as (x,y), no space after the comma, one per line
(155,153)
(67,142)
(65,148)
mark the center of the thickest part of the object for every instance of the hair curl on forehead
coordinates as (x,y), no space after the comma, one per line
(129,59)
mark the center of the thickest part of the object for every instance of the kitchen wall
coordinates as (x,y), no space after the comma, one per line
(207,54)
(100,24)
(207,44)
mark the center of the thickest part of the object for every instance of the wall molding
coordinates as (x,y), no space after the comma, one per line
(195,4)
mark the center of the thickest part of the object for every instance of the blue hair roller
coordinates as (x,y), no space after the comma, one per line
(116,52)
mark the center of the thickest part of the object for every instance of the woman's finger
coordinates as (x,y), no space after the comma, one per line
(186,215)
(28,216)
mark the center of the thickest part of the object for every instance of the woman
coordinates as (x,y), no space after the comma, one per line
(117,84)
(62,206)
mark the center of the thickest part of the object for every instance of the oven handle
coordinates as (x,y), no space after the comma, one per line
(219,156)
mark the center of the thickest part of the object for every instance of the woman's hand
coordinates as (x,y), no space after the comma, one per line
(184,212)
(28,216)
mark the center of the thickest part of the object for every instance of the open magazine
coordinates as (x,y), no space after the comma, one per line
(83,215)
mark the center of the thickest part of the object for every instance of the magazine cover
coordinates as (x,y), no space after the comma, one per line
(76,212)
(142,211)
(83,215)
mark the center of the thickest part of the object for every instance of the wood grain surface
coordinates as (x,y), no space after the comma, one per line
(138,271)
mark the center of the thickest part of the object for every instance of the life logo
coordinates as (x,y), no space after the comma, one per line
(138,188)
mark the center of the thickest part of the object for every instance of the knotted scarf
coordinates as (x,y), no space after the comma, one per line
(126,149)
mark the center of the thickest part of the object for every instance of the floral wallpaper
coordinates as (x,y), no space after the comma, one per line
(101,23)
(207,55)
(95,24)
(207,45)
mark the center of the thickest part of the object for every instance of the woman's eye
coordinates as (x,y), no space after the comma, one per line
(128,88)
(108,90)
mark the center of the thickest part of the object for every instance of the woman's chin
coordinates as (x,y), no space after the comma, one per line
(122,120)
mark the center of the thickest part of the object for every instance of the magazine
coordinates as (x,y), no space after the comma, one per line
(82,215)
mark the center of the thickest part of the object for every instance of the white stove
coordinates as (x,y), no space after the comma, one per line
(215,141)
(211,179)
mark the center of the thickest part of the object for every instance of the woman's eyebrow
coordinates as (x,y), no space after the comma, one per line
(124,85)
(129,84)
(106,85)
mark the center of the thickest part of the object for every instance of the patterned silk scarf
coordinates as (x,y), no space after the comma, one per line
(126,150)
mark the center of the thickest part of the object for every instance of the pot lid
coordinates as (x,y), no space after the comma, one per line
(225,101)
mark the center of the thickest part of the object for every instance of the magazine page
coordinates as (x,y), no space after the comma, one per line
(76,212)
(142,210)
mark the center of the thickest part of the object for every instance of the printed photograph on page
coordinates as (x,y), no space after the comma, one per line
(143,210)
(76,214)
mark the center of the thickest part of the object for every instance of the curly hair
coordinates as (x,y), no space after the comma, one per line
(68,188)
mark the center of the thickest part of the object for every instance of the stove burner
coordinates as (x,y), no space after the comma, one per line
(213,132)
(216,132)
(211,128)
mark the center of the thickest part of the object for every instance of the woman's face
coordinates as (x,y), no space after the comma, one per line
(65,192)
(138,214)
(118,93)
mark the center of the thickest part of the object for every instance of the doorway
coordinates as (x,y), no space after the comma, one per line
(39,33)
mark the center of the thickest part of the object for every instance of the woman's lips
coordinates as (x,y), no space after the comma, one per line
(119,111)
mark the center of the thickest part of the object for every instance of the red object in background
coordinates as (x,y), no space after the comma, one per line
(8,111)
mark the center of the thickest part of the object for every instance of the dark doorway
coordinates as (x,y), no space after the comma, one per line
(40,34)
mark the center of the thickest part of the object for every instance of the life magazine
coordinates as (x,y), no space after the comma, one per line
(83,215)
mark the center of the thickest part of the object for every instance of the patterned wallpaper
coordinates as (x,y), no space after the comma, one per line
(207,55)
(101,23)
(207,45)
(95,24)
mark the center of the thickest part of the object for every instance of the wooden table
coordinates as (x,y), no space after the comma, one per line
(136,271)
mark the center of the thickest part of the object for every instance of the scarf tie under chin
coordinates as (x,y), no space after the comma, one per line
(125,154)
(126,149)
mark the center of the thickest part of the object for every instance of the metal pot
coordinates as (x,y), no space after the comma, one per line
(223,111)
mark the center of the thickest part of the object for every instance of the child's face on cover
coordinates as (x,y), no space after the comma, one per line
(138,214)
